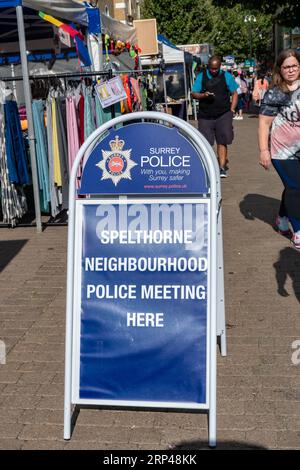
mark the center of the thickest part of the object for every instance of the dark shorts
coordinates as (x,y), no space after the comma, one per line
(220,129)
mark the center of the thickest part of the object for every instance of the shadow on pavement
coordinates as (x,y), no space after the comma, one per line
(8,250)
(288,265)
(256,206)
(221,445)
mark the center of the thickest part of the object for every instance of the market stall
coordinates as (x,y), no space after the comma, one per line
(38,30)
(173,79)
(70,9)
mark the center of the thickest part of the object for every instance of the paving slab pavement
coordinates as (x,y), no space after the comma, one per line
(258,384)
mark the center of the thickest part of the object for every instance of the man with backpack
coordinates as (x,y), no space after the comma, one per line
(214,89)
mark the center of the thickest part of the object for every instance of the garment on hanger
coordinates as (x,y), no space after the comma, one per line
(137,106)
(41,153)
(89,113)
(81,118)
(13,200)
(103,114)
(63,148)
(72,131)
(55,193)
(127,88)
(143,94)
(15,147)
(117,109)
(56,162)
(100,116)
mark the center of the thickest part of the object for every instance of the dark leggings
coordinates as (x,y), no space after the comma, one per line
(289,172)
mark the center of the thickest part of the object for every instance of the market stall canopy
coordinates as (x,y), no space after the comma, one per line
(35,27)
(171,53)
(69,10)
(75,11)
(118,30)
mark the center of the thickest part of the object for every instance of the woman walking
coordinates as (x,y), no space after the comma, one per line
(280,113)
(260,87)
(241,91)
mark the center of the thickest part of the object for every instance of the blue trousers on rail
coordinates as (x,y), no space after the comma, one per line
(14,145)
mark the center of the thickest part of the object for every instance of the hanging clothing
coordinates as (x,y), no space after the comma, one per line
(137,102)
(128,90)
(106,114)
(63,148)
(100,115)
(13,200)
(72,133)
(54,191)
(15,147)
(89,121)
(70,119)
(56,163)
(117,109)
(41,153)
(144,96)
(81,119)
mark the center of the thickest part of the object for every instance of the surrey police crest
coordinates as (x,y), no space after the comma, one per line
(116,163)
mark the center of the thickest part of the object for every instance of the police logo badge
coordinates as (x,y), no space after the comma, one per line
(116,163)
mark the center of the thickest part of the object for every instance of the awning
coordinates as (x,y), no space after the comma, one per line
(171,53)
(118,30)
(37,29)
(66,9)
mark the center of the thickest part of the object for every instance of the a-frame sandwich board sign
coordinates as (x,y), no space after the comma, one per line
(145,290)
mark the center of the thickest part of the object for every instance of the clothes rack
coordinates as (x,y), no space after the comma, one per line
(108,73)
(73,75)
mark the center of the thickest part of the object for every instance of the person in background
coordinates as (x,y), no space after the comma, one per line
(197,66)
(269,76)
(242,92)
(260,87)
(170,87)
(248,79)
(280,114)
(214,89)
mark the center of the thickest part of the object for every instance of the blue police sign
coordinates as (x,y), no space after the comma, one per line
(144,287)
(144,158)
(142,268)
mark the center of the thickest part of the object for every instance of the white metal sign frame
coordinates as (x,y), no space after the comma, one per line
(216,312)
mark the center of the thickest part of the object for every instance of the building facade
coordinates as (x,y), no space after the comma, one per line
(127,11)
(291,38)
(107,7)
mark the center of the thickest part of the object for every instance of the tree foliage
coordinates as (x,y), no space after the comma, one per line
(182,21)
(284,12)
(192,21)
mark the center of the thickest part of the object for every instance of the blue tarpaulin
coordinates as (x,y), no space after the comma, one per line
(94,20)
(9,4)
(166,41)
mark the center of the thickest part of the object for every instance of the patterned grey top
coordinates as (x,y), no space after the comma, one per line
(285,132)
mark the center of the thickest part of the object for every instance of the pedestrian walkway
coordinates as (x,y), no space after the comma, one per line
(258,384)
